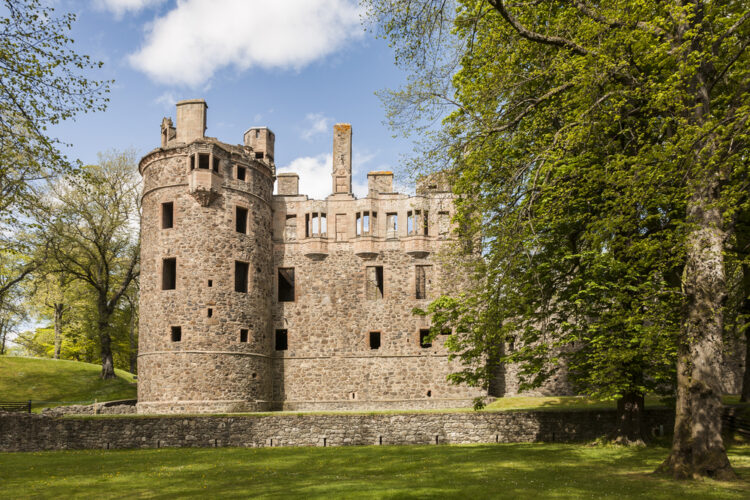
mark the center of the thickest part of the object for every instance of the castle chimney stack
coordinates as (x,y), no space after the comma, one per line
(191,120)
(342,158)
(261,140)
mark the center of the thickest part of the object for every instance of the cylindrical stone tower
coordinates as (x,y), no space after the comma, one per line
(206,272)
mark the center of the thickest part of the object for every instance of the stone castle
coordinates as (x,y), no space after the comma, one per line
(258,301)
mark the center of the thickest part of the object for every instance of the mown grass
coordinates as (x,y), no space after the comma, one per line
(59,381)
(468,471)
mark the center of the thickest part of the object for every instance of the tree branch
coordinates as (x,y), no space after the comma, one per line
(537,37)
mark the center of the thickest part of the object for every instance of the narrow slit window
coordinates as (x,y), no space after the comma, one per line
(410,222)
(374,340)
(215,164)
(210,283)
(374,276)
(169,274)
(167,215)
(210,313)
(424,341)
(286,284)
(358,224)
(243,335)
(192,162)
(176,333)
(203,159)
(240,173)
(282,342)
(425,223)
(241,271)
(307,225)
(240,220)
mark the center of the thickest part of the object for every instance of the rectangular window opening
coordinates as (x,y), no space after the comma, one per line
(259,155)
(240,220)
(216,165)
(176,334)
(167,215)
(210,283)
(210,312)
(286,284)
(358,224)
(410,222)
(391,225)
(192,162)
(374,340)
(241,271)
(282,343)
(421,279)
(169,274)
(203,161)
(426,223)
(240,173)
(307,225)
(243,335)
(374,276)
(424,335)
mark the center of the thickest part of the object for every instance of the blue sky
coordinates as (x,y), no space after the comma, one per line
(296,66)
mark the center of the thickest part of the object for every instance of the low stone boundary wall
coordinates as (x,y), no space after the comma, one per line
(24,432)
(122,407)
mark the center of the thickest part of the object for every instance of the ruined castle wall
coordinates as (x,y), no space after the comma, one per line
(208,368)
(329,363)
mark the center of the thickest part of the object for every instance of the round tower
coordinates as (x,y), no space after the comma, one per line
(206,272)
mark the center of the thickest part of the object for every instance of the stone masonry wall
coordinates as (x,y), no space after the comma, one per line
(24,432)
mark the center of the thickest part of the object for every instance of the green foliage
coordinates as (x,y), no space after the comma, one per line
(577,139)
(478,471)
(40,380)
(44,82)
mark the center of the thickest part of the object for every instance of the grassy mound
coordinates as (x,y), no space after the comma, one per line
(515,471)
(52,382)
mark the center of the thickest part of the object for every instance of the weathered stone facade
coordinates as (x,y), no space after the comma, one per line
(254,301)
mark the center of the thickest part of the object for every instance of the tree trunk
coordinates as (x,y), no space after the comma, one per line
(108,366)
(58,307)
(745,312)
(630,420)
(3,335)
(133,347)
(745,395)
(679,461)
(704,286)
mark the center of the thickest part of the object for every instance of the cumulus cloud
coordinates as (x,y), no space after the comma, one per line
(120,7)
(315,123)
(191,42)
(315,176)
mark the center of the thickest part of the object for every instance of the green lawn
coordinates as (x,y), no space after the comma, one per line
(524,471)
(40,380)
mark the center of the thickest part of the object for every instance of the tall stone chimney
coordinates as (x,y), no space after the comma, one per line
(191,120)
(342,158)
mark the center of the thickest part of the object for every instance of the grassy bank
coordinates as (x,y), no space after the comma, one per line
(479,471)
(53,380)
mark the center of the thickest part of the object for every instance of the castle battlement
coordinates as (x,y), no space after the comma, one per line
(255,301)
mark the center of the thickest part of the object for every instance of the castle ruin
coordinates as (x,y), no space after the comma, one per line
(257,301)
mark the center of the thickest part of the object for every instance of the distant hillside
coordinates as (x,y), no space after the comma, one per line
(57,381)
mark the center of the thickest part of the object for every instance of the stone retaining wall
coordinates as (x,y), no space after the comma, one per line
(25,432)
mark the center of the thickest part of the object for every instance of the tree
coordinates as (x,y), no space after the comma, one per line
(42,82)
(92,236)
(651,97)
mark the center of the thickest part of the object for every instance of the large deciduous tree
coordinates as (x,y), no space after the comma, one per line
(92,236)
(601,149)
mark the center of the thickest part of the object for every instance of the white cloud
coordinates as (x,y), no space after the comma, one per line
(120,7)
(166,100)
(191,42)
(316,123)
(315,176)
